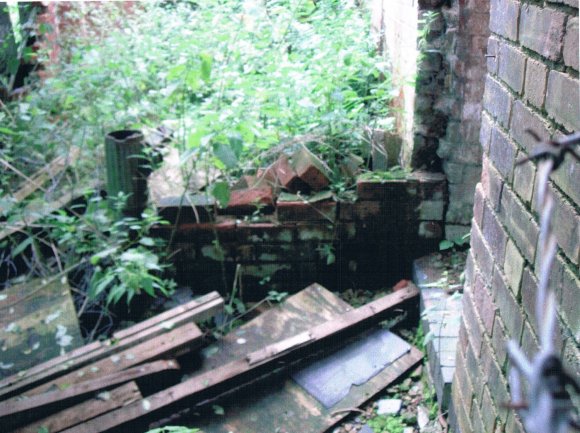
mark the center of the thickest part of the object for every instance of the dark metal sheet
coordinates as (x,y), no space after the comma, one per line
(329,380)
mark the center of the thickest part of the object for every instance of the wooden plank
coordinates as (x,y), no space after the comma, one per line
(173,344)
(47,172)
(37,322)
(290,408)
(61,396)
(37,210)
(114,399)
(197,310)
(239,371)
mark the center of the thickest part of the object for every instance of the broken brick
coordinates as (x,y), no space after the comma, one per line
(281,175)
(311,169)
(247,201)
(305,211)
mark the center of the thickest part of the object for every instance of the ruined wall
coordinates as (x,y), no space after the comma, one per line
(373,240)
(441,114)
(532,82)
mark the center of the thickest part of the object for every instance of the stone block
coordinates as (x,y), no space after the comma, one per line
(542,30)
(504,15)
(497,101)
(458,211)
(536,80)
(494,234)
(524,181)
(563,100)
(523,118)
(512,67)
(502,153)
(430,230)
(310,169)
(513,267)
(571,43)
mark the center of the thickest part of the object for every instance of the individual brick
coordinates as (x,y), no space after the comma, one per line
(296,211)
(280,174)
(472,320)
(310,169)
(484,305)
(183,209)
(524,180)
(431,210)
(529,293)
(477,420)
(497,101)
(488,410)
(563,100)
(513,267)
(509,309)
(389,190)
(566,226)
(485,132)
(523,118)
(492,55)
(568,307)
(492,183)
(530,345)
(502,152)
(536,80)
(567,178)
(520,224)
(498,340)
(512,67)
(430,230)
(495,380)
(249,200)
(504,15)
(573,3)
(481,253)
(571,43)
(478,205)
(494,234)
(542,30)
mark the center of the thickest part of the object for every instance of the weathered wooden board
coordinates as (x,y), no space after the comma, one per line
(175,343)
(39,209)
(238,372)
(100,404)
(197,310)
(77,391)
(38,321)
(283,406)
(47,172)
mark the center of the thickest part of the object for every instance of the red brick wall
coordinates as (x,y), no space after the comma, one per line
(532,82)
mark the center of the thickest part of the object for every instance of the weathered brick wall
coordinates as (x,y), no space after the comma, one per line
(374,240)
(532,82)
(442,114)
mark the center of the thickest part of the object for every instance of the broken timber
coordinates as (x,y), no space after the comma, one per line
(75,391)
(257,363)
(142,336)
(102,403)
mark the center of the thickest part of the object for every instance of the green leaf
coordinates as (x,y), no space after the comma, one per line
(221,192)
(43,429)
(148,242)
(206,64)
(218,410)
(21,246)
(445,245)
(226,155)
(6,131)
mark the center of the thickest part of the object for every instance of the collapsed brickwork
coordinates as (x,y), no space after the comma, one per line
(442,113)
(532,82)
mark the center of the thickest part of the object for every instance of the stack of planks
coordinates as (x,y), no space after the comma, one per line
(114,366)
(100,377)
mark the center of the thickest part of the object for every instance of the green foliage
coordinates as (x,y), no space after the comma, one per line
(386,424)
(460,241)
(126,259)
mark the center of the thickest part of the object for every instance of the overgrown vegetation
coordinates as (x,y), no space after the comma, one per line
(238,82)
